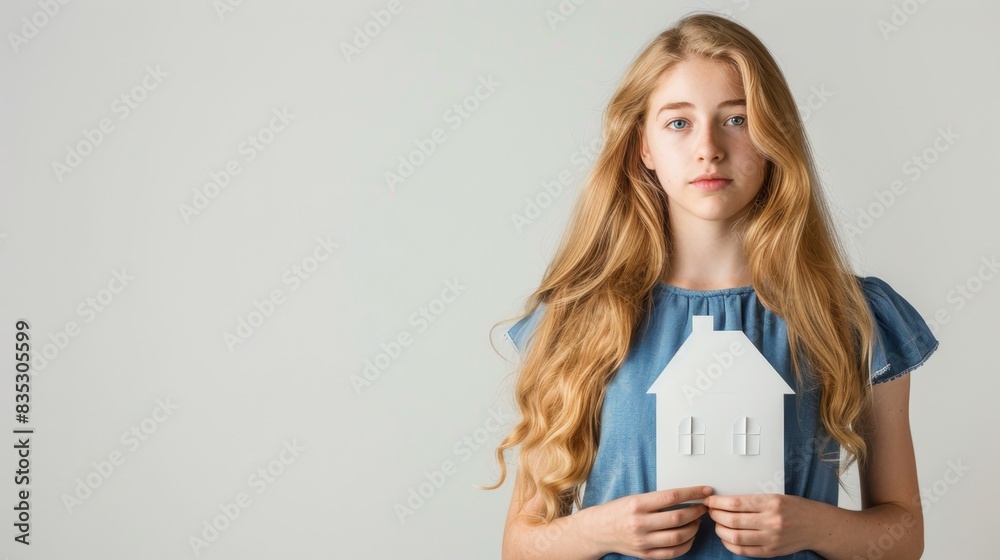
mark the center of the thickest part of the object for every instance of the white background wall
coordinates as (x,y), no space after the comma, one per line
(873,102)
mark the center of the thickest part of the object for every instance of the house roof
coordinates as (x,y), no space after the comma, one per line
(712,361)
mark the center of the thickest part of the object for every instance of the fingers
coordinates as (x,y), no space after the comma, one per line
(674,518)
(743,502)
(745,537)
(732,519)
(675,537)
(655,501)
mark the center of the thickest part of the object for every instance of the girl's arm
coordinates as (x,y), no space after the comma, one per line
(631,525)
(891,523)
(889,527)
(564,538)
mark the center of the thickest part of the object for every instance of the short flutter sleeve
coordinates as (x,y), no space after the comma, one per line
(903,341)
(520,332)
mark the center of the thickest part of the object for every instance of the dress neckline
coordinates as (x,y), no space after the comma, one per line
(704,293)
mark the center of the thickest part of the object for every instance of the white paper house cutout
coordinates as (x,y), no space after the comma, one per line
(720,415)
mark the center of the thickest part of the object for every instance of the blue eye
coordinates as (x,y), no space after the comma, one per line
(741,120)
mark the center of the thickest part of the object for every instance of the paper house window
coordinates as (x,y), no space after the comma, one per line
(746,436)
(691,436)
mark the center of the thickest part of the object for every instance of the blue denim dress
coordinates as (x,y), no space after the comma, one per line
(626,456)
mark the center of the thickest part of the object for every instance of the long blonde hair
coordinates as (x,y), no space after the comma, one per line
(597,288)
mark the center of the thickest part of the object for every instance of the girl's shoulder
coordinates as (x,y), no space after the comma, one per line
(519,333)
(903,340)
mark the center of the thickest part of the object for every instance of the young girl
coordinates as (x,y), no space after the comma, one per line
(705,201)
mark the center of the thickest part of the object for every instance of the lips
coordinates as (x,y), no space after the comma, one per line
(711,184)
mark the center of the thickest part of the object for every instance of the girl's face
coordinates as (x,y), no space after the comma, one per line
(696,126)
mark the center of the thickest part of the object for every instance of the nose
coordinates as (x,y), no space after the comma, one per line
(708,147)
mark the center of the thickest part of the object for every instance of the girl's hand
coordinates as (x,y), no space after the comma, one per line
(764,525)
(634,526)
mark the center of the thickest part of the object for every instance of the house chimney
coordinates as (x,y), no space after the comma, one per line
(701,323)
